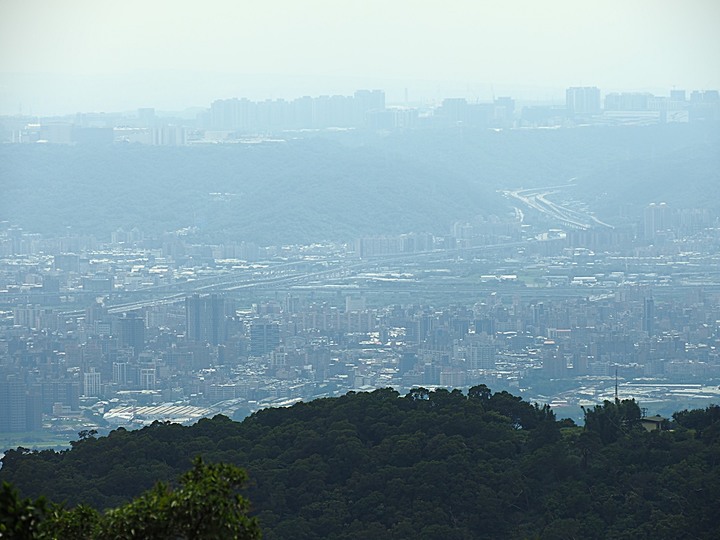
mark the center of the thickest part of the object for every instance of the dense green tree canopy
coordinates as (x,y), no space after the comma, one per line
(432,463)
(206,505)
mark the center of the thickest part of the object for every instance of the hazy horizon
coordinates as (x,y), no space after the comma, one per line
(61,58)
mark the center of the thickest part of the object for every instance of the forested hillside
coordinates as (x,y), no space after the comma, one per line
(345,185)
(431,464)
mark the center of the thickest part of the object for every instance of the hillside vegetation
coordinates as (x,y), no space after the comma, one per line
(431,464)
(342,186)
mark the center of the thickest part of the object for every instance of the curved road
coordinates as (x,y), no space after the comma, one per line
(536,198)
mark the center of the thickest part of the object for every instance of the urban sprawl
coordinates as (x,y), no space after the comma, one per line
(547,301)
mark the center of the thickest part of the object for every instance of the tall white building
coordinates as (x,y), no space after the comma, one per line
(480,355)
(656,218)
(147,378)
(92,383)
(583,100)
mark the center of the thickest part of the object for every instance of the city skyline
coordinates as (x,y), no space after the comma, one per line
(562,98)
(104,57)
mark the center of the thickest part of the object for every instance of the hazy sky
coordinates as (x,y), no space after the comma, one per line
(60,56)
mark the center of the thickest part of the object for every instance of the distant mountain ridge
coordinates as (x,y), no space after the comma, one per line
(343,186)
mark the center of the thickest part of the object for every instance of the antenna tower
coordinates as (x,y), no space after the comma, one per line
(616,387)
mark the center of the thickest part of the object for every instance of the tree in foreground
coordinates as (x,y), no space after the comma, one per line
(205,505)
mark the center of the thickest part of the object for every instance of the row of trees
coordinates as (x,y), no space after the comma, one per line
(425,465)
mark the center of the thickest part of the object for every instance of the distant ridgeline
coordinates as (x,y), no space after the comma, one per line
(343,186)
(431,464)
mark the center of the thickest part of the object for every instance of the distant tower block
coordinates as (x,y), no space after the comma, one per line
(480,355)
(264,337)
(205,319)
(582,100)
(656,218)
(132,333)
(649,316)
